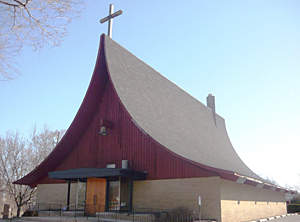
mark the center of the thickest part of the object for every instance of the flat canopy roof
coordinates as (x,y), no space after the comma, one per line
(83,173)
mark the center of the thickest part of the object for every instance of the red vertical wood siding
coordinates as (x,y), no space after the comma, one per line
(125,142)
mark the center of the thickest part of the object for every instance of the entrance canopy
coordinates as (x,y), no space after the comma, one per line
(82,174)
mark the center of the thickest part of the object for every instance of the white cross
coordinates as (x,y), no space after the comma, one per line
(109,18)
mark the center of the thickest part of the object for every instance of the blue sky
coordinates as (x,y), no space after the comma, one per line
(246,53)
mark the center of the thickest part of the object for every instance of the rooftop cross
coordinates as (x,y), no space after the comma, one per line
(109,18)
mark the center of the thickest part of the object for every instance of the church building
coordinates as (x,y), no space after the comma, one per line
(140,141)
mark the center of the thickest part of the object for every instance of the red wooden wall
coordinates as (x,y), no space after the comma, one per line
(125,142)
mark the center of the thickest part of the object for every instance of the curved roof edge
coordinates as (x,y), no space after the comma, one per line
(114,60)
(79,124)
(169,115)
(174,119)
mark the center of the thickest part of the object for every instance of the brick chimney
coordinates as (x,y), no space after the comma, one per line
(210,99)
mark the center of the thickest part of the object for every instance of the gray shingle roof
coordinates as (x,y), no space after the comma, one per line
(170,115)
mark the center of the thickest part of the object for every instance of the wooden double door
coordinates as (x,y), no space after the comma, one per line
(114,193)
(95,195)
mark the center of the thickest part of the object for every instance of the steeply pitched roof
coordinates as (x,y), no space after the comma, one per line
(170,115)
(165,112)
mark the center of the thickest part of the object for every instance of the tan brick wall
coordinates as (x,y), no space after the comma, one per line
(167,194)
(240,202)
(56,193)
(236,202)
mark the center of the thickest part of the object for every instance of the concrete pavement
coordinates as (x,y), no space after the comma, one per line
(292,218)
(280,218)
(283,218)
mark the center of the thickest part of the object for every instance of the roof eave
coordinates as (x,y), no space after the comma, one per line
(79,124)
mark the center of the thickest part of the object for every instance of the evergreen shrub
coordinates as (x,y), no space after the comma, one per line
(293,208)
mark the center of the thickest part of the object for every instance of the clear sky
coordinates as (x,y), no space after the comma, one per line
(246,53)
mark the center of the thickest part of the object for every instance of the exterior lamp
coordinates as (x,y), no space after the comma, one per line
(104,125)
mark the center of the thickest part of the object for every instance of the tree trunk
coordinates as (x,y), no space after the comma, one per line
(18,211)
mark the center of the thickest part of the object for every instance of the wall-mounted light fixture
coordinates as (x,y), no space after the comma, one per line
(104,125)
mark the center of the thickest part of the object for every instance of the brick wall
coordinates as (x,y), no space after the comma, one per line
(221,199)
(240,202)
(57,193)
(167,194)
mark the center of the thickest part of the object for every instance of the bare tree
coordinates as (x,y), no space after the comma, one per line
(18,156)
(43,141)
(14,164)
(34,23)
(270,180)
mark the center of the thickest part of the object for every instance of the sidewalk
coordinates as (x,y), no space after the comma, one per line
(272,218)
(94,219)
(48,219)
(53,219)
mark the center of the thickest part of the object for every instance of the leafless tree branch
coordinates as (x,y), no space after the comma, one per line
(33,23)
(18,156)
